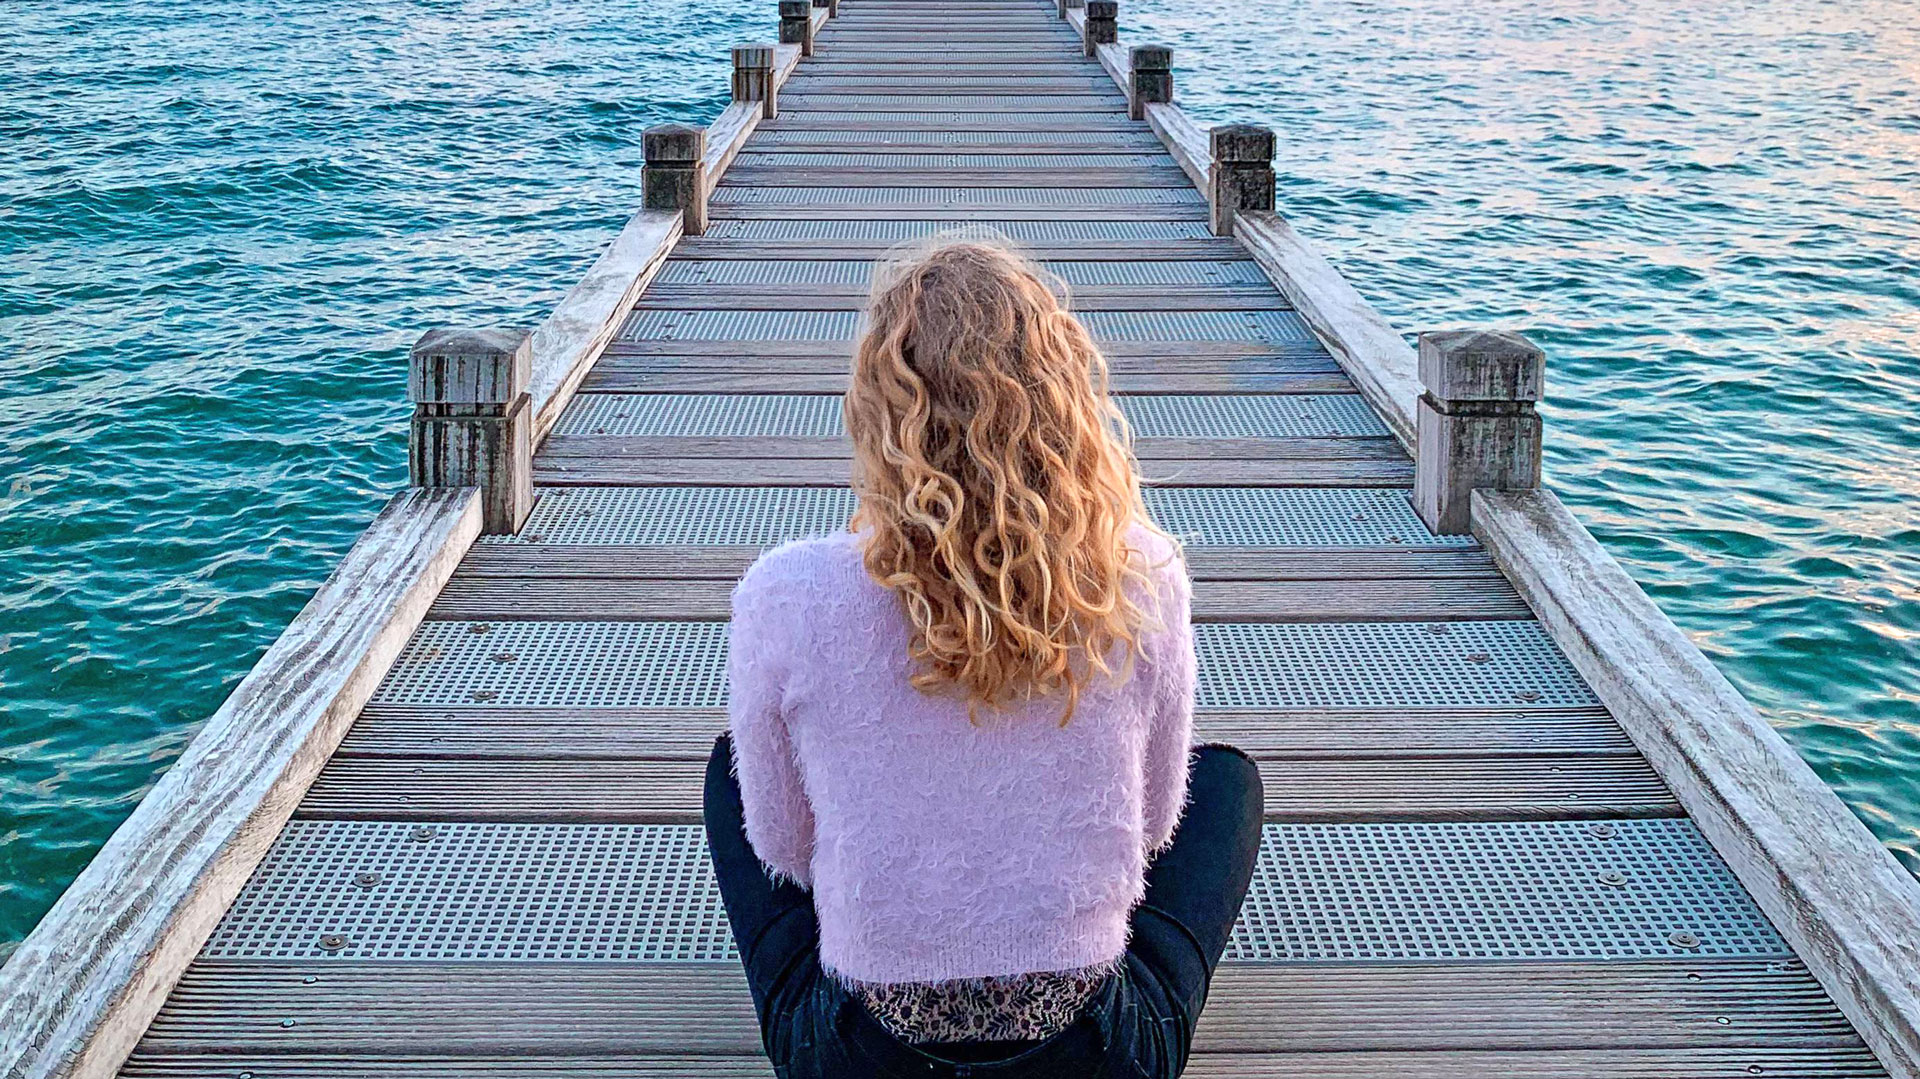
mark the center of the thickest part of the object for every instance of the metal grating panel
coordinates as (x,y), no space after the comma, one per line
(683,516)
(764,516)
(728,195)
(957,138)
(894,231)
(951,161)
(1291,517)
(1251,416)
(1276,328)
(562,664)
(860,272)
(1321,894)
(799,102)
(1383,665)
(939,115)
(702,415)
(1242,665)
(819,416)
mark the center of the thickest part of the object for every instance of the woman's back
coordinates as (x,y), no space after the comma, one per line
(941,845)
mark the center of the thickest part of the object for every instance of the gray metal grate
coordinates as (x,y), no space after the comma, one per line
(1321,894)
(562,664)
(1276,328)
(941,115)
(818,415)
(1242,665)
(957,138)
(1251,416)
(1383,665)
(951,161)
(895,231)
(764,516)
(729,195)
(994,102)
(1291,517)
(860,272)
(702,415)
(684,516)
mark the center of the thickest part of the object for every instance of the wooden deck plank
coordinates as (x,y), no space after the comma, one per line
(491,731)
(621,599)
(778,472)
(1331,790)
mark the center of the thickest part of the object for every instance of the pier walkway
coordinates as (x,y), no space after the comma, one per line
(454,824)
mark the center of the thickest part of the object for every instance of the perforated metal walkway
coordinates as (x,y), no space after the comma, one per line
(1468,869)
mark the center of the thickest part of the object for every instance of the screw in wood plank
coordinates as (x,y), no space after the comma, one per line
(289,1024)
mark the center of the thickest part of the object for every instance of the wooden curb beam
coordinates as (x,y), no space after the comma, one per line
(1477,424)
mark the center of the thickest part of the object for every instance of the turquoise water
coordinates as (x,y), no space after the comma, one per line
(225,222)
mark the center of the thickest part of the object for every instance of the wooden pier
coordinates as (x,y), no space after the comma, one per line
(448,826)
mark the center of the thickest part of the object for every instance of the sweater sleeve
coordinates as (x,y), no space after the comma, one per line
(779,818)
(1171,668)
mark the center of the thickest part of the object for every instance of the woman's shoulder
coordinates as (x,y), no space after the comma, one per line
(801,568)
(1161,557)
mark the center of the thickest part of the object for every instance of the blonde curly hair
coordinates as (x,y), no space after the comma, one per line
(996,483)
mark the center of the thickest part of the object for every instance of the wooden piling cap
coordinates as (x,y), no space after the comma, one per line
(469,366)
(1481,365)
(1103,9)
(1242,143)
(796,9)
(1152,57)
(753,56)
(665,144)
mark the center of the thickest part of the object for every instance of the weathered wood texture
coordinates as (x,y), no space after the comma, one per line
(1850,911)
(472,423)
(80,989)
(1477,424)
(567,343)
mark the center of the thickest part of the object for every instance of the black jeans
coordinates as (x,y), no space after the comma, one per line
(1138,1025)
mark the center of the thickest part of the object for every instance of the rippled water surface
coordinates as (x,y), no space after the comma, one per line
(223,223)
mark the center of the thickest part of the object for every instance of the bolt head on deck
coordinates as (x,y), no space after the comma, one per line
(469,366)
(1481,365)
(674,144)
(1242,144)
(1152,58)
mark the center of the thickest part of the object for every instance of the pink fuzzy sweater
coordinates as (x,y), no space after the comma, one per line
(935,849)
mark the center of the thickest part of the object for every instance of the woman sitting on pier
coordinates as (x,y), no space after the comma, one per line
(962,730)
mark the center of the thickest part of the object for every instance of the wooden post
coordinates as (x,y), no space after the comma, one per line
(1152,79)
(1102,26)
(796,24)
(753,78)
(1066,4)
(676,174)
(832,6)
(473,419)
(1476,422)
(1242,174)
